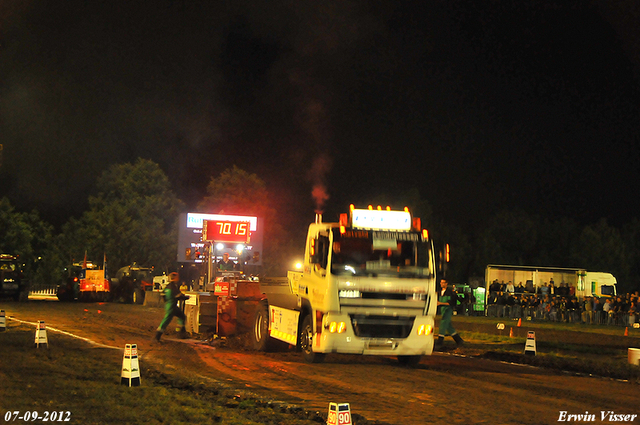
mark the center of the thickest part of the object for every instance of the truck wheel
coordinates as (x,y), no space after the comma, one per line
(138,296)
(306,341)
(409,361)
(261,328)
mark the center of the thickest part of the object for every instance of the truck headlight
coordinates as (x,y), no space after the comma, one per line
(424,330)
(336,327)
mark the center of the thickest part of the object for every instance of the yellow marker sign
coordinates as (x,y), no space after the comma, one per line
(339,414)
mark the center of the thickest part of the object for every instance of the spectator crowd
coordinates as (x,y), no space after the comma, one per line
(560,304)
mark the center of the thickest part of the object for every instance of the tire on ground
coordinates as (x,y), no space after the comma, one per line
(305,341)
(409,361)
(260,334)
(260,339)
(138,296)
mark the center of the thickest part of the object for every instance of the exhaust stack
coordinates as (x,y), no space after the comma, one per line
(318,217)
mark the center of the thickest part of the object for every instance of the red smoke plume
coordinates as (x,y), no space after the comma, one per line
(319,170)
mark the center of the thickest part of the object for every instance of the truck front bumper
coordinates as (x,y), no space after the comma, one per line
(419,340)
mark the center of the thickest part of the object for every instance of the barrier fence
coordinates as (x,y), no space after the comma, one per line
(555,310)
(42,289)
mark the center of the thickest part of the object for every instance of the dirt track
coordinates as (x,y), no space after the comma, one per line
(445,388)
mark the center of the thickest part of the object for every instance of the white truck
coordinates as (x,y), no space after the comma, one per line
(368,286)
(585,284)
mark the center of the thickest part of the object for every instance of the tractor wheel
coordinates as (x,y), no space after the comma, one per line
(261,328)
(138,296)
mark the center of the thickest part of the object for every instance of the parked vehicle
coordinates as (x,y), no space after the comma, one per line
(582,282)
(12,281)
(131,283)
(85,281)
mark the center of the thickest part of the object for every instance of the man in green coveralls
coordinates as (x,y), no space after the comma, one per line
(172,295)
(447,299)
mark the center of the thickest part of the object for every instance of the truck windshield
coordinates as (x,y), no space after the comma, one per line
(381,253)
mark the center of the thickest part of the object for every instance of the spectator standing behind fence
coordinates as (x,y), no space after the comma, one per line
(598,311)
(553,311)
(633,311)
(510,288)
(494,288)
(510,302)
(587,310)
(520,289)
(544,289)
(501,301)
(562,290)
(607,310)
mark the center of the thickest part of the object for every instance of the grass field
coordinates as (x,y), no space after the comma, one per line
(569,347)
(83,380)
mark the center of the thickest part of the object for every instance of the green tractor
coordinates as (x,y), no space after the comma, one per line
(131,283)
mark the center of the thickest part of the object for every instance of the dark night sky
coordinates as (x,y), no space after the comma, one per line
(481,106)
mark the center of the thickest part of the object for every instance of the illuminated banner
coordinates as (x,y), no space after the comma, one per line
(380,220)
(225,231)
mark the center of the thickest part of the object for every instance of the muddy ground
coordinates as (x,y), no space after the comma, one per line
(457,386)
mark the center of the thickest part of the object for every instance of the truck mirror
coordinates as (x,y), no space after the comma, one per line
(443,260)
(316,256)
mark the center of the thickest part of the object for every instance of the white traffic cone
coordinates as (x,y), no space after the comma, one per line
(130,368)
(339,413)
(41,334)
(3,321)
(530,345)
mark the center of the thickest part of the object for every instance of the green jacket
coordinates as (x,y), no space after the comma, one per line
(171,296)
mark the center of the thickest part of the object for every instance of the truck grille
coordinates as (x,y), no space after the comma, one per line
(385,296)
(381,326)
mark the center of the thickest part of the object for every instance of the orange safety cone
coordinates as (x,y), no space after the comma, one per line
(510,332)
(626,331)
(520,322)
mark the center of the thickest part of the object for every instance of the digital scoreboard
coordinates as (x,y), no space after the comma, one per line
(230,231)
(226,231)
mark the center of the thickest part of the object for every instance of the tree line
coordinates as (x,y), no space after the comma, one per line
(133,217)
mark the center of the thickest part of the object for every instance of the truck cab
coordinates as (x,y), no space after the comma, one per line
(367,287)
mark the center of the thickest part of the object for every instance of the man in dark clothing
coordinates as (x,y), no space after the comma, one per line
(226,264)
(172,295)
(447,300)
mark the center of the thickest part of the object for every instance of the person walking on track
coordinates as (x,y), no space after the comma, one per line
(447,300)
(172,295)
